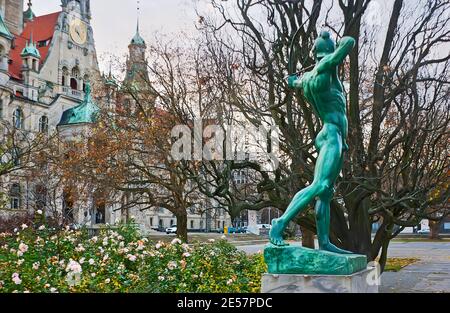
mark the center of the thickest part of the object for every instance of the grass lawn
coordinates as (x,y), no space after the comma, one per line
(396,264)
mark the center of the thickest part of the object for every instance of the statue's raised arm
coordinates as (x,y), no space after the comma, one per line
(331,61)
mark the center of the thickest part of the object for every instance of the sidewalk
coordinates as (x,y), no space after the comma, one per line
(430,274)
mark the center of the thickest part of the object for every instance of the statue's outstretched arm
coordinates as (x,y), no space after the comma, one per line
(295,82)
(337,57)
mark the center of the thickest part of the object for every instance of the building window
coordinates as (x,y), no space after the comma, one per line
(1,108)
(40,197)
(65,74)
(161,223)
(43,124)
(85,81)
(192,224)
(68,205)
(15,195)
(171,223)
(74,84)
(218,224)
(75,77)
(201,224)
(75,72)
(18,118)
(151,221)
(43,43)
(15,156)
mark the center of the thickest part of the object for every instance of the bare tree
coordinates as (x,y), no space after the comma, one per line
(398,108)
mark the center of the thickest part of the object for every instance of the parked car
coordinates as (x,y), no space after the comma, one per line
(237,230)
(264,226)
(160,229)
(423,231)
(171,230)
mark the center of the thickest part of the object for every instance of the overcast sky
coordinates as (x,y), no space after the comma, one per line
(114,21)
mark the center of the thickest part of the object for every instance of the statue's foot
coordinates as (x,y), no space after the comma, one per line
(332,248)
(276,233)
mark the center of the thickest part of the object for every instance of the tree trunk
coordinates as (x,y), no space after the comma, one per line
(182,226)
(434,229)
(307,238)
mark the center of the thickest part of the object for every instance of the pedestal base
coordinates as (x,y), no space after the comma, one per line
(360,282)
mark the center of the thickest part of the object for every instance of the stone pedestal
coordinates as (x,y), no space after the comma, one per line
(364,281)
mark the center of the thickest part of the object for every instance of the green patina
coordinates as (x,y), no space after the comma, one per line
(4,31)
(85,113)
(28,15)
(30,49)
(323,90)
(295,259)
(137,39)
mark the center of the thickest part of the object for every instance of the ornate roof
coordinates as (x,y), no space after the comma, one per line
(85,113)
(30,49)
(137,39)
(4,31)
(43,28)
(28,15)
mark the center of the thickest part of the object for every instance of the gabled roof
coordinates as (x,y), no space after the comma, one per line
(42,28)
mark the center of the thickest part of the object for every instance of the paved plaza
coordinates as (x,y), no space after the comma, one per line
(430,274)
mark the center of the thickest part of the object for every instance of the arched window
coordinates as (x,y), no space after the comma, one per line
(65,75)
(43,124)
(85,81)
(74,83)
(18,118)
(15,196)
(74,79)
(75,72)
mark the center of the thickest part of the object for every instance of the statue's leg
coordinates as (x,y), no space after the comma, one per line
(330,170)
(298,204)
(328,167)
(323,226)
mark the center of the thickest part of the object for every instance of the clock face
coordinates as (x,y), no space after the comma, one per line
(78,31)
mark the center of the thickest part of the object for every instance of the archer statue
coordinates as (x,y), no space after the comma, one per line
(324,91)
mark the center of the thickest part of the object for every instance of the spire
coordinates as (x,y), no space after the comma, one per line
(31,49)
(138,15)
(28,15)
(137,39)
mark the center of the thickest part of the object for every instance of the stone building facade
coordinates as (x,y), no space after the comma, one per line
(46,64)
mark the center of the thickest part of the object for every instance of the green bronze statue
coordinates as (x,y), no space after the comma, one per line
(324,92)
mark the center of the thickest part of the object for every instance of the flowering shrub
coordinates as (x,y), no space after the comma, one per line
(38,259)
